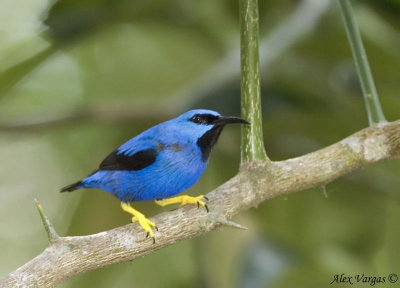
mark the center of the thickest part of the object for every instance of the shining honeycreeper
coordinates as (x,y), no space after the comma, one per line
(159,163)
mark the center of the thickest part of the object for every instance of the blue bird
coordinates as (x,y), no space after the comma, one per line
(159,163)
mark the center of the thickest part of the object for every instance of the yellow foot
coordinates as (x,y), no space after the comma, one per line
(145,223)
(184,199)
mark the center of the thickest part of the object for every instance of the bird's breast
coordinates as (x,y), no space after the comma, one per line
(186,159)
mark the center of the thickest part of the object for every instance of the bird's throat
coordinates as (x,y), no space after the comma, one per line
(208,140)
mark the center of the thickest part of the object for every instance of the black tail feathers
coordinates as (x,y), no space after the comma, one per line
(71,187)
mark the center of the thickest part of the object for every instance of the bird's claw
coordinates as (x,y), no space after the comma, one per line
(197,200)
(205,205)
(154,239)
(194,200)
(183,200)
(145,223)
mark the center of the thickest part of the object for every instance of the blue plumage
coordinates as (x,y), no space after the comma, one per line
(177,167)
(161,161)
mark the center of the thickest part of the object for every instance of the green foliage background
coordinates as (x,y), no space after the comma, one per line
(115,68)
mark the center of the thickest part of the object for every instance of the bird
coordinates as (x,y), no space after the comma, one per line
(160,163)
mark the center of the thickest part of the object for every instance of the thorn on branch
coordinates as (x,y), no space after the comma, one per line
(323,190)
(51,232)
(228,223)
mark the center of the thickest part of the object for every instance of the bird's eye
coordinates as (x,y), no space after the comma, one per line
(197,119)
(203,118)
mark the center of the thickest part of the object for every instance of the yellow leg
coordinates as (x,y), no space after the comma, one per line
(145,223)
(184,199)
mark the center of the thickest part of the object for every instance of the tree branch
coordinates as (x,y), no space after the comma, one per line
(256,182)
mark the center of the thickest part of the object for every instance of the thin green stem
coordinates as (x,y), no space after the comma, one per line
(252,135)
(371,97)
(10,77)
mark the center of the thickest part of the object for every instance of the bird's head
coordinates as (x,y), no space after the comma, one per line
(206,126)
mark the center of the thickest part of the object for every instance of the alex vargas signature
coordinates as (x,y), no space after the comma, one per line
(362,278)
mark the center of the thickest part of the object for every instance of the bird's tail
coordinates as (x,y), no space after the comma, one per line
(72,187)
(84,183)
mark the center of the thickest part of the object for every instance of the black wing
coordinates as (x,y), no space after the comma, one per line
(137,161)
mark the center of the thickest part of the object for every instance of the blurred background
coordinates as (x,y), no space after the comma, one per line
(78,78)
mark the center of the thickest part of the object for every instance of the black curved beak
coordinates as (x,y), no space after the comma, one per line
(223,120)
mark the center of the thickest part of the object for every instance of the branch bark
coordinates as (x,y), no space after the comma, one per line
(256,182)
